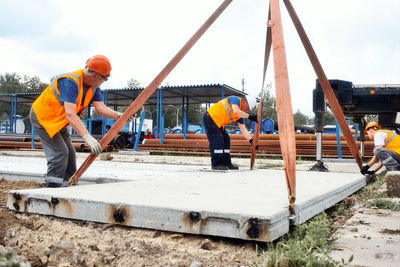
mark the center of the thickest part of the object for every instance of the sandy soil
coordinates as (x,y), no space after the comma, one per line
(51,241)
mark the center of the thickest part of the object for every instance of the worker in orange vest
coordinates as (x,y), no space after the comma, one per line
(60,105)
(386,151)
(230,109)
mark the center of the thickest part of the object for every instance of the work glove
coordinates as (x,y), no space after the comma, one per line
(251,143)
(94,145)
(253,118)
(364,170)
(131,118)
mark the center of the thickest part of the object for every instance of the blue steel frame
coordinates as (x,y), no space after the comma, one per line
(139,131)
(105,100)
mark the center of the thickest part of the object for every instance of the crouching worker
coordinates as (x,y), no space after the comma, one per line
(230,109)
(60,105)
(386,151)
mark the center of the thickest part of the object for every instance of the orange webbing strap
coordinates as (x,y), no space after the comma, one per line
(268,44)
(326,87)
(256,136)
(148,91)
(283,99)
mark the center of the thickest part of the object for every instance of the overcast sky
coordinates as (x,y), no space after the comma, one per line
(355,40)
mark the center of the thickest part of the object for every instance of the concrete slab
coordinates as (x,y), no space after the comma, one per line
(241,204)
(34,168)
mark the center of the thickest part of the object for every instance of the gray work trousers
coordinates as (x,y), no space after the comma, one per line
(389,158)
(59,152)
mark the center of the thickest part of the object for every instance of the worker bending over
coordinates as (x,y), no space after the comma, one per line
(61,104)
(386,150)
(230,109)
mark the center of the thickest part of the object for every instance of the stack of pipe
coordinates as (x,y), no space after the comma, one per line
(268,145)
(17,141)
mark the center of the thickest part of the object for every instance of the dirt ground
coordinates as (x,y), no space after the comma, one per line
(51,241)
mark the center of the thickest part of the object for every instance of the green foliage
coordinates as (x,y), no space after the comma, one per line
(269,109)
(11,83)
(371,191)
(301,119)
(342,209)
(329,118)
(384,203)
(10,259)
(133,83)
(307,245)
(269,104)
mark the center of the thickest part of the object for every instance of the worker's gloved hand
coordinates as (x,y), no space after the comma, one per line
(364,170)
(131,118)
(253,118)
(251,143)
(94,145)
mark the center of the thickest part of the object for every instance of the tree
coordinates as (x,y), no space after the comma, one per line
(12,83)
(133,83)
(268,105)
(300,119)
(329,118)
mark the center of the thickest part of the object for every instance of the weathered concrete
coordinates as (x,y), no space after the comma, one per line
(372,237)
(393,183)
(239,204)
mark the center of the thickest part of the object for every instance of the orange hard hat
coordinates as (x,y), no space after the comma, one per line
(99,64)
(372,124)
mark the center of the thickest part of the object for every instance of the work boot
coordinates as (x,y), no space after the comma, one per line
(52,185)
(232,167)
(220,168)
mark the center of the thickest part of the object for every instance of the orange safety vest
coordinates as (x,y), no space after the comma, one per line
(222,112)
(392,141)
(49,109)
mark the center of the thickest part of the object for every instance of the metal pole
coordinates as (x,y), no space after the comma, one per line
(319,146)
(139,132)
(339,147)
(33,138)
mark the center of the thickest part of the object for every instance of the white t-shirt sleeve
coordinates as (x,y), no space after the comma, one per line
(379,138)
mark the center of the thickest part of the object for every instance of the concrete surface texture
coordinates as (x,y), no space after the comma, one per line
(241,204)
(372,237)
(393,183)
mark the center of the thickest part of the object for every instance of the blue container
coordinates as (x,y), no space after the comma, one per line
(268,126)
(199,131)
(237,132)
(177,131)
(227,131)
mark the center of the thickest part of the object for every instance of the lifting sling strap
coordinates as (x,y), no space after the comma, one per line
(148,91)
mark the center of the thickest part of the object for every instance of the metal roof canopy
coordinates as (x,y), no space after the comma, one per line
(197,94)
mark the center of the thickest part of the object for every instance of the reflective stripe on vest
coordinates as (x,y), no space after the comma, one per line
(222,113)
(55,91)
(49,109)
(228,110)
(390,139)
